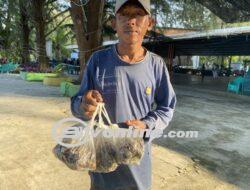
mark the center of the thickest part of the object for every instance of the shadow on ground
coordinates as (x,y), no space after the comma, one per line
(223,124)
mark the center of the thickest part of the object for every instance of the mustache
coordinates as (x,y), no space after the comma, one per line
(130,30)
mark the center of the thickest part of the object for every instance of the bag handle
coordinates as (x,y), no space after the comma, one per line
(105,113)
(92,121)
(99,111)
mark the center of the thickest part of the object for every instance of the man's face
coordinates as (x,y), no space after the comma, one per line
(131,24)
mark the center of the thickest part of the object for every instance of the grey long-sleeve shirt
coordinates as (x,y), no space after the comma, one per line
(129,91)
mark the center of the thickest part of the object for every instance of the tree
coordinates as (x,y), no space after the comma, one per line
(25,31)
(161,11)
(9,30)
(37,13)
(185,14)
(41,13)
(229,10)
(5,24)
(87,19)
(60,38)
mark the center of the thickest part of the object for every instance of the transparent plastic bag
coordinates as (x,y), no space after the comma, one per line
(106,150)
(81,157)
(106,153)
(130,150)
(97,152)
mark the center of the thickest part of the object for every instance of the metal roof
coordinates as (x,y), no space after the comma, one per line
(213,33)
(219,42)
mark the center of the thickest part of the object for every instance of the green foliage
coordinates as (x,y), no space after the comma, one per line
(60,38)
(9,30)
(169,13)
(185,14)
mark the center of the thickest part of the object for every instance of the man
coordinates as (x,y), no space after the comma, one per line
(128,79)
(203,70)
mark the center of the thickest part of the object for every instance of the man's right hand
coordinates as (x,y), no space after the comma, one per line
(90,101)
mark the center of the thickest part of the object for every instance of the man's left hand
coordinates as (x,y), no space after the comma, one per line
(136,123)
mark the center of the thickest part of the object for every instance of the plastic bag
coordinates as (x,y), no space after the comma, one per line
(80,157)
(106,153)
(131,150)
(99,153)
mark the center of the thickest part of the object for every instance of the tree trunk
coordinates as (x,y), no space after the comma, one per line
(7,42)
(222,61)
(229,62)
(41,47)
(94,24)
(76,13)
(88,29)
(25,32)
(38,17)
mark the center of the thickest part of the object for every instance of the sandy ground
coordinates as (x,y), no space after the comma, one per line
(28,111)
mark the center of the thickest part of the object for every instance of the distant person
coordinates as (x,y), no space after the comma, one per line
(215,70)
(203,70)
(229,72)
(65,60)
(78,66)
(53,63)
(245,68)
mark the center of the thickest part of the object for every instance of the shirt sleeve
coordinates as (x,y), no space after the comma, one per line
(165,99)
(86,84)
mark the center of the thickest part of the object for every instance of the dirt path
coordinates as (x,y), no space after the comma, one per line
(27,113)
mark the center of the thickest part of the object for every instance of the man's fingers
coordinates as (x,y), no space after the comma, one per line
(135,123)
(89,108)
(97,96)
(127,122)
(89,114)
(93,97)
(91,101)
(131,122)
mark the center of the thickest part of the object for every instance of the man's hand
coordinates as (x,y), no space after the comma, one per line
(90,101)
(136,123)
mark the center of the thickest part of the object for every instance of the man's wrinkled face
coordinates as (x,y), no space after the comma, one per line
(132,23)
